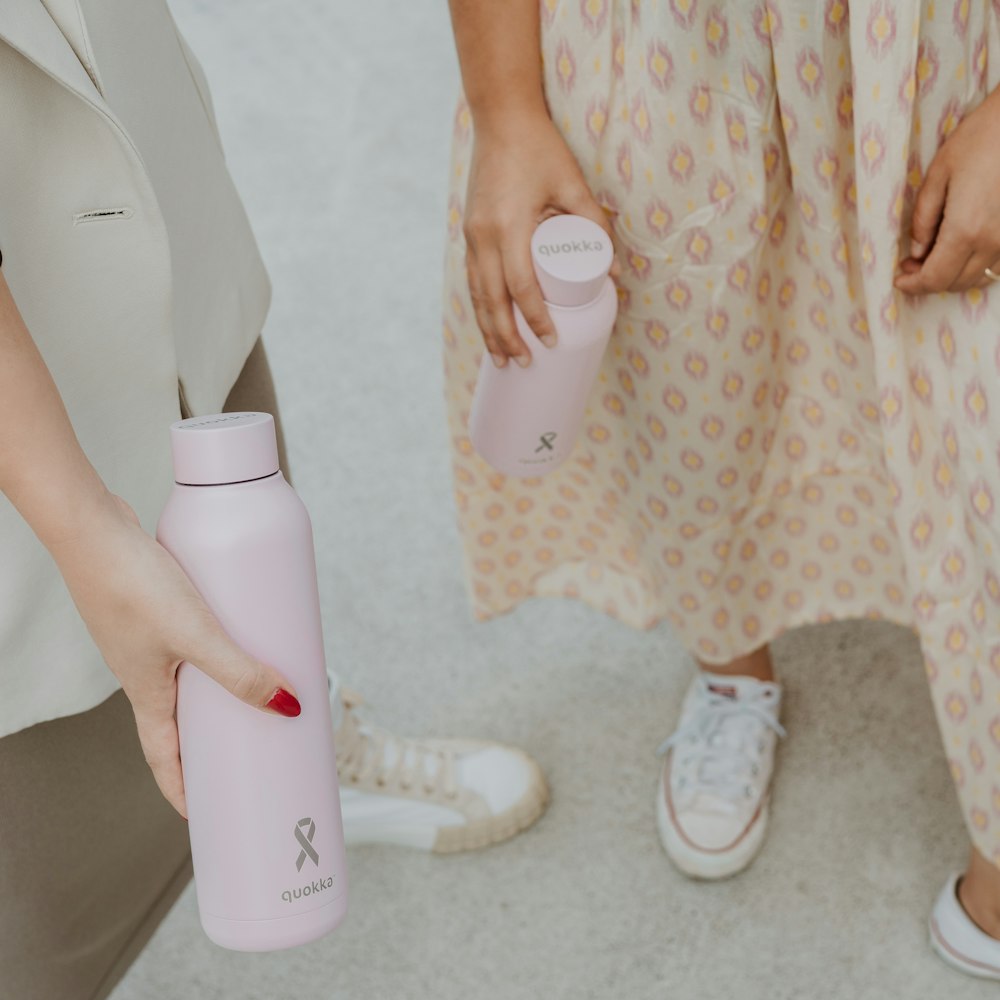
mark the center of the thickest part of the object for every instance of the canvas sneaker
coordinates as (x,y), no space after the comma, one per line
(438,795)
(958,940)
(712,796)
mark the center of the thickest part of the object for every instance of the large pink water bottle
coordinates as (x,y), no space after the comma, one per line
(525,421)
(262,795)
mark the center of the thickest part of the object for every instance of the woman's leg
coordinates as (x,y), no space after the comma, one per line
(91,855)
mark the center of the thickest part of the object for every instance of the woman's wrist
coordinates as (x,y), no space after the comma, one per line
(64,508)
(509,117)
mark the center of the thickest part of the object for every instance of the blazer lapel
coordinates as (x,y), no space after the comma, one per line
(27,26)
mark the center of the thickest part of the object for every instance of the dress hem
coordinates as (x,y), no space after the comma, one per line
(846,610)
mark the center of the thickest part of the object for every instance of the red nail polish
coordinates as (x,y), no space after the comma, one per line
(284,703)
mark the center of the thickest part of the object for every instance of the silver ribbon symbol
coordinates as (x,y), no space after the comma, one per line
(546,440)
(305,840)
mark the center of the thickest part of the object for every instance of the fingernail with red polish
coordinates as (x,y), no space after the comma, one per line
(284,703)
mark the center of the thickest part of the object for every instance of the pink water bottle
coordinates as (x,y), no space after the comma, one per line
(262,795)
(525,421)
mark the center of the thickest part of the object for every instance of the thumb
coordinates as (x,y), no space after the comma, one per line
(250,679)
(927,210)
(582,202)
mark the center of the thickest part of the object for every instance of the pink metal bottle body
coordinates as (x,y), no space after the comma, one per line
(525,421)
(262,793)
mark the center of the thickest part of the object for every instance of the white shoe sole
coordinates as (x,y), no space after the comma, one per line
(419,836)
(495,829)
(957,960)
(462,836)
(708,864)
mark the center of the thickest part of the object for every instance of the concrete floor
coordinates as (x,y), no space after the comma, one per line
(585,905)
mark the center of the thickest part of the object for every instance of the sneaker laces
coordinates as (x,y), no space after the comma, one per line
(719,734)
(366,753)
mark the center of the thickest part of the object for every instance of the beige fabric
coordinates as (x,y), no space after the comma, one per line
(91,855)
(216,271)
(98,294)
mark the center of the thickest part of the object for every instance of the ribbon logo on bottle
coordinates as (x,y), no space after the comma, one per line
(305,842)
(547,438)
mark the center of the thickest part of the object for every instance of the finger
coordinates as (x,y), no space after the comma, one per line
(940,269)
(483,318)
(928,208)
(578,200)
(974,273)
(160,747)
(249,679)
(986,280)
(497,301)
(524,290)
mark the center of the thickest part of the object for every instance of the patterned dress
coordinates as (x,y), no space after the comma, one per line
(778,436)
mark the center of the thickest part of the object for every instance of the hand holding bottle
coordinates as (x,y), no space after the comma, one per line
(143,612)
(522,172)
(525,422)
(146,617)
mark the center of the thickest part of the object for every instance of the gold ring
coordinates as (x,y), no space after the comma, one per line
(991,274)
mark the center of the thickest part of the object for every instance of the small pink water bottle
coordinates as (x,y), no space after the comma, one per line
(267,840)
(525,421)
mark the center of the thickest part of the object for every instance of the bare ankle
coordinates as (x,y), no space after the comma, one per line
(756,664)
(984,913)
(979,893)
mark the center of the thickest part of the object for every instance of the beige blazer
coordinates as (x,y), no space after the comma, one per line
(86,255)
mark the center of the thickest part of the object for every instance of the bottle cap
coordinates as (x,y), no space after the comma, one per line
(572,256)
(223,448)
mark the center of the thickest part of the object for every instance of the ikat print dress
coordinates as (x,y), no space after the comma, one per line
(777,435)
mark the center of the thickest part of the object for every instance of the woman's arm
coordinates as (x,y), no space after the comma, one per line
(143,612)
(521,173)
(43,470)
(500,58)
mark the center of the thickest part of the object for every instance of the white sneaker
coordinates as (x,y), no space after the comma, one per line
(712,797)
(436,795)
(958,940)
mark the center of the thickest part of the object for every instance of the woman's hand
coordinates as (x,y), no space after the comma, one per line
(522,172)
(957,212)
(146,616)
(138,604)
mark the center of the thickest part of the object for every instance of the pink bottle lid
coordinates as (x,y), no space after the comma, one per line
(572,256)
(223,448)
